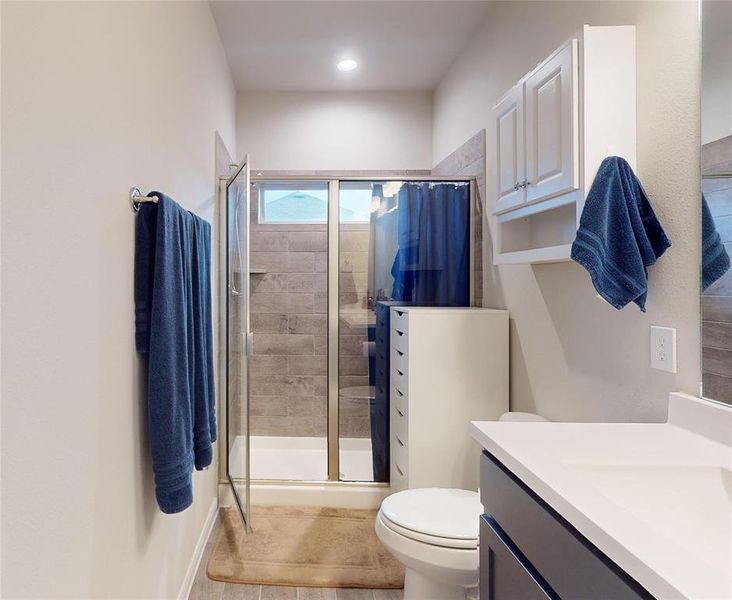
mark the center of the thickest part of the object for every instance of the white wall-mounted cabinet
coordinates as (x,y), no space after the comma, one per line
(508,119)
(552,136)
(547,137)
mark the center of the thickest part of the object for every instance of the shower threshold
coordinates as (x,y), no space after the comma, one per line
(301,458)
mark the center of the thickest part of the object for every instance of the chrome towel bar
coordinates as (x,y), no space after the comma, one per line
(137,198)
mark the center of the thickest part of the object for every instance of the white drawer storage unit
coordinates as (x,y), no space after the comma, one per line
(547,137)
(449,366)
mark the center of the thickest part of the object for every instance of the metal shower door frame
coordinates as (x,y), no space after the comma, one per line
(333,262)
(225,290)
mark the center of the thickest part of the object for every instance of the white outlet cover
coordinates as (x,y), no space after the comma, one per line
(663,348)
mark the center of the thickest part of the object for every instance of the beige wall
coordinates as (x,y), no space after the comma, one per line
(335,130)
(96,97)
(572,356)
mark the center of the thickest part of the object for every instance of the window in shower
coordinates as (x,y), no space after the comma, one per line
(306,202)
(288,368)
(292,202)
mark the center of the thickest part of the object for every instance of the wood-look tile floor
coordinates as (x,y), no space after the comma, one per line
(207,589)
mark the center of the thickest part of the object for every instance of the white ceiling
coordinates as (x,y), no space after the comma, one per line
(294,45)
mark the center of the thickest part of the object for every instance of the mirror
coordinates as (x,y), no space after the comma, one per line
(716,165)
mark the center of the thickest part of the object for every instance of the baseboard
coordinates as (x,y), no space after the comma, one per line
(213,514)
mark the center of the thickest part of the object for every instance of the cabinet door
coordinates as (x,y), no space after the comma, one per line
(508,151)
(552,132)
(504,573)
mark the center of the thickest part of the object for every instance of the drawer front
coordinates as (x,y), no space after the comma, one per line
(399,401)
(399,479)
(399,423)
(398,451)
(400,455)
(399,340)
(399,360)
(400,381)
(569,563)
(504,572)
(400,320)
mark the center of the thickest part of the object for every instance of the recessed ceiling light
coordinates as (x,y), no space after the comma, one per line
(347,64)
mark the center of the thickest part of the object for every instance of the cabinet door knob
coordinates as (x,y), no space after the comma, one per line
(525,183)
(516,185)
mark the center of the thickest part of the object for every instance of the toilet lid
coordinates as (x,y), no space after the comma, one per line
(440,512)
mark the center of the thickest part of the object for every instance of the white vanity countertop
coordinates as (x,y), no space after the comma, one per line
(654,497)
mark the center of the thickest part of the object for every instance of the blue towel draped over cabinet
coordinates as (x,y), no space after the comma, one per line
(619,236)
(174,327)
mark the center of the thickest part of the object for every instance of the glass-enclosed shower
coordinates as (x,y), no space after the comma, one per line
(311,262)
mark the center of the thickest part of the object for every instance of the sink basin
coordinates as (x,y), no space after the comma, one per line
(682,499)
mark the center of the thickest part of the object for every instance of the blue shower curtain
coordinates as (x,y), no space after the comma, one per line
(431,267)
(433,259)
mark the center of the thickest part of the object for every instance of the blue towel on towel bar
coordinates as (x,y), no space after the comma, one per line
(174,327)
(619,236)
(715,260)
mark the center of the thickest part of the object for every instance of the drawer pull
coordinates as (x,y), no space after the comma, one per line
(399,352)
(401,443)
(398,371)
(399,470)
(401,414)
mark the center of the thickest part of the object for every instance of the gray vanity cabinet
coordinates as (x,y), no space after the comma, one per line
(503,572)
(529,551)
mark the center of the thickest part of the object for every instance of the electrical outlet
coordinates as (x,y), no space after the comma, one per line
(663,348)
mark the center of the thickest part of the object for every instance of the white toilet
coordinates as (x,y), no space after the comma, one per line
(433,532)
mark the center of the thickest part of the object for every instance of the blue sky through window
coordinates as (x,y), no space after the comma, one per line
(309,204)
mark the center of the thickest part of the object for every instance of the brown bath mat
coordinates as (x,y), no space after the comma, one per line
(318,547)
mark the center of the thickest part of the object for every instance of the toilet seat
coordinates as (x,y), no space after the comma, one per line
(437,516)
(444,542)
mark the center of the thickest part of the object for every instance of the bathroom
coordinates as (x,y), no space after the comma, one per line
(308,134)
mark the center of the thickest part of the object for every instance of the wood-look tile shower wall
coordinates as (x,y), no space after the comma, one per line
(289,305)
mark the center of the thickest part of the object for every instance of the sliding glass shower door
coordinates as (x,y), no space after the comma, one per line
(326,255)
(399,243)
(236,334)
(289,323)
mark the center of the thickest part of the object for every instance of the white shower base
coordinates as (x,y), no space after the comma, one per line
(293,471)
(301,458)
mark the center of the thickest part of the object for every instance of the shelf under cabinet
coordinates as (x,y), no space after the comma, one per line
(550,254)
